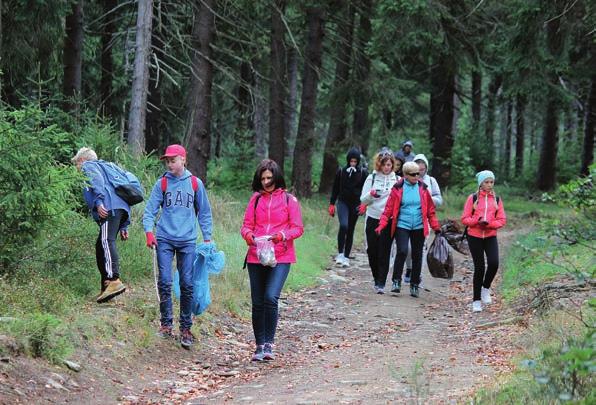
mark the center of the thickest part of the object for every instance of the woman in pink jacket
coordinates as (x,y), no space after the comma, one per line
(483,215)
(272,214)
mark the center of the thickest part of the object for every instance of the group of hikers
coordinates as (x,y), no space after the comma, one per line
(398,199)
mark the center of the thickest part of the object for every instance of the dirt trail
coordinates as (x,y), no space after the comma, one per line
(342,343)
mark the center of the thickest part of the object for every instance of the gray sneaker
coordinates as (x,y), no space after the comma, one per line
(268,352)
(396,287)
(258,354)
(414,291)
(186,339)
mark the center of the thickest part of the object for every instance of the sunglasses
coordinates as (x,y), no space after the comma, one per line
(413,174)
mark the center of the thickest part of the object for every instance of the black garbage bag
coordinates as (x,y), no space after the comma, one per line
(455,236)
(439,258)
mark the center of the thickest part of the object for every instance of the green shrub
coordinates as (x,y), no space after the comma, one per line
(42,335)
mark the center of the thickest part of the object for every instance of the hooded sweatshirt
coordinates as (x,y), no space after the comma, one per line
(431,182)
(179,207)
(348,182)
(487,208)
(382,183)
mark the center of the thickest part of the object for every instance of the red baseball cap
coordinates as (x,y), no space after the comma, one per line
(174,150)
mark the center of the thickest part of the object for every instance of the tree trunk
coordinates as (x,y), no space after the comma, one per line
(362,96)
(548,152)
(277,89)
(140,80)
(486,161)
(292,65)
(154,100)
(442,84)
(73,57)
(245,121)
(520,110)
(305,139)
(508,137)
(199,126)
(588,149)
(476,96)
(107,64)
(337,121)
(260,119)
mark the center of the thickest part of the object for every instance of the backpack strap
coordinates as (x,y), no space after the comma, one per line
(194,181)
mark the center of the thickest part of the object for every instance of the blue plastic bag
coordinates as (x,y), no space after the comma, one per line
(208,260)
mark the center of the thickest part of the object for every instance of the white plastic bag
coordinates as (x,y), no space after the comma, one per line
(266,251)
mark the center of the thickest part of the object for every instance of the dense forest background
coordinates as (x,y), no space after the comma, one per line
(507,85)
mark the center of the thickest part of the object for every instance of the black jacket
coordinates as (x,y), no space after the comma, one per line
(347,185)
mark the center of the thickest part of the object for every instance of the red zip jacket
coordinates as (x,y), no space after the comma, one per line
(486,207)
(394,203)
(275,212)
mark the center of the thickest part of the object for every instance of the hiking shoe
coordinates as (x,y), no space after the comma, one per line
(339,259)
(396,287)
(485,296)
(268,352)
(186,338)
(258,354)
(414,291)
(165,332)
(114,288)
(407,276)
(477,306)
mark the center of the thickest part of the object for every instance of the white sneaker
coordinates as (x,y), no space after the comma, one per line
(485,296)
(345,262)
(339,259)
(476,306)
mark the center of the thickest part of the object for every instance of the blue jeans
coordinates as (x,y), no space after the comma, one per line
(265,287)
(185,256)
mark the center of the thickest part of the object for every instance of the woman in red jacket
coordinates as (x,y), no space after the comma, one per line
(411,210)
(272,214)
(483,215)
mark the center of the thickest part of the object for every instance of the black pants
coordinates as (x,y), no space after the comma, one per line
(378,250)
(416,239)
(106,253)
(347,215)
(483,277)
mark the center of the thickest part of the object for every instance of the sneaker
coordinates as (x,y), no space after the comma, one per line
(414,291)
(339,259)
(186,338)
(380,290)
(396,287)
(258,354)
(268,352)
(165,332)
(114,288)
(407,276)
(345,262)
(485,296)
(476,306)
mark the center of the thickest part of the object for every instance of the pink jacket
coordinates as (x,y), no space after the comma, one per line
(486,208)
(275,212)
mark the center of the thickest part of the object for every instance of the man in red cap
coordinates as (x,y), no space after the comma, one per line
(182,199)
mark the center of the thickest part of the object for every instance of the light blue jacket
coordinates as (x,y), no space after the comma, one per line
(101,192)
(179,207)
(410,212)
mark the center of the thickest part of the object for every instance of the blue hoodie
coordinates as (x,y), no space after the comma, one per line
(101,192)
(177,221)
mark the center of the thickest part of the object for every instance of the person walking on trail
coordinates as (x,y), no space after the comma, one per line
(399,163)
(435,192)
(347,188)
(406,154)
(411,211)
(483,215)
(183,200)
(272,221)
(112,215)
(375,193)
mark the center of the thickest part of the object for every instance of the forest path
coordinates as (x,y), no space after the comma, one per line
(342,343)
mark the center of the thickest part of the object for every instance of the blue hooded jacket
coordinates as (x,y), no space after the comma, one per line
(101,192)
(179,206)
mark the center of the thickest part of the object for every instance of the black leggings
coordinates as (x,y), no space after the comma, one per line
(378,250)
(347,215)
(416,239)
(483,277)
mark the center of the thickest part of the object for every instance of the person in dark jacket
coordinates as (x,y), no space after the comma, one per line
(406,154)
(347,187)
